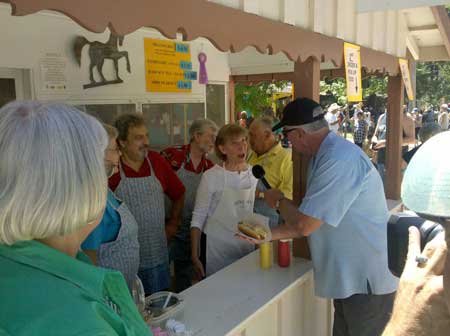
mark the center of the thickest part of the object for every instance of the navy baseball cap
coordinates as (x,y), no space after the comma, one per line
(300,111)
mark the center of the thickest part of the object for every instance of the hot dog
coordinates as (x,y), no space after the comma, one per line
(251,230)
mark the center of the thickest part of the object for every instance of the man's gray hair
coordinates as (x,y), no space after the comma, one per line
(315,126)
(53,180)
(428,130)
(265,122)
(200,126)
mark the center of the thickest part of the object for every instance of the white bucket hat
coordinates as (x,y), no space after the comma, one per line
(426,184)
(333,107)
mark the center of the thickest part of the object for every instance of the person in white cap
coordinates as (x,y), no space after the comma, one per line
(443,117)
(332,117)
(422,305)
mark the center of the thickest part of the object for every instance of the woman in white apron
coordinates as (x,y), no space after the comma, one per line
(225,196)
(114,243)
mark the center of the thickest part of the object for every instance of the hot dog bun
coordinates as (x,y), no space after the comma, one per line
(254,231)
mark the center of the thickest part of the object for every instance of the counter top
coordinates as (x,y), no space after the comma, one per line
(223,301)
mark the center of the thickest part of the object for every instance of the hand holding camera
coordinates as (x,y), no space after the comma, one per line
(421,284)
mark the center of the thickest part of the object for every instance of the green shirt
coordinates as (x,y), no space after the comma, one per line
(46,292)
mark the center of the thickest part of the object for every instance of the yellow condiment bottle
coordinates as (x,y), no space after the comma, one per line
(265,258)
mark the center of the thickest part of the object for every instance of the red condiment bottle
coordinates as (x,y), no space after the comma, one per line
(284,253)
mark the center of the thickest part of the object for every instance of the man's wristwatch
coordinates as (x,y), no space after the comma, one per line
(261,194)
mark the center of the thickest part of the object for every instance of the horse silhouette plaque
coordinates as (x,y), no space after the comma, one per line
(98,53)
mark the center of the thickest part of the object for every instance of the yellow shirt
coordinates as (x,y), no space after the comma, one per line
(277,163)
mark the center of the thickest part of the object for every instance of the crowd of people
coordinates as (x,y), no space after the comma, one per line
(97,195)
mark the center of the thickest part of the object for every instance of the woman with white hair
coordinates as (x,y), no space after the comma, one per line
(53,189)
(114,242)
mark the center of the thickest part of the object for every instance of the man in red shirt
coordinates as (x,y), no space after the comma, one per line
(189,162)
(143,179)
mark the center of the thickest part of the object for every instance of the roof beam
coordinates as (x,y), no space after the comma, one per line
(423,28)
(443,22)
(433,54)
(412,47)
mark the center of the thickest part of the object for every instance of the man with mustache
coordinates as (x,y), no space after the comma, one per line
(143,179)
(190,162)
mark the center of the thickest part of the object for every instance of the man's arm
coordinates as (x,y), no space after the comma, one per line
(297,224)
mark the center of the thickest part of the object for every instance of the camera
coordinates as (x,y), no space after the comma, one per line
(397,237)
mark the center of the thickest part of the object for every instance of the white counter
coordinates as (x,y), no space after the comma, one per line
(243,299)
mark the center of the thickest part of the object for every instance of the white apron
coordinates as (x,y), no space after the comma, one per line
(222,247)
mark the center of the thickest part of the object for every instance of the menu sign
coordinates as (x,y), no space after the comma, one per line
(168,66)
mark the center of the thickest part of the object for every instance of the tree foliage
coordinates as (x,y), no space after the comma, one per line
(338,88)
(433,83)
(257,97)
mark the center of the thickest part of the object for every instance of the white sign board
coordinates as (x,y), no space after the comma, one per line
(53,72)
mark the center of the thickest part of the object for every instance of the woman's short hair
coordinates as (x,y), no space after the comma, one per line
(124,122)
(199,126)
(226,133)
(53,180)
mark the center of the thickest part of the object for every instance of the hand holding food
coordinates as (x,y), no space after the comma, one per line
(253,233)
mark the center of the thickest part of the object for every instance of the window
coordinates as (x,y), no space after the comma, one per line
(168,124)
(215,103)
(107,113)
(7,90)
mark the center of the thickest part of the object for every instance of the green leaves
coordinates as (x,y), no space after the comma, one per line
(257,97)
(433,83)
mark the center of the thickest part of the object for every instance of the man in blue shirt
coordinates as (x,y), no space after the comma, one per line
(344,215)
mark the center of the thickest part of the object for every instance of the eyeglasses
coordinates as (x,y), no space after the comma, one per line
(286,131)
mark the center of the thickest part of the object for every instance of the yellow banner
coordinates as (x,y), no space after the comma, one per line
(168,66)
(352,60)
(404,68)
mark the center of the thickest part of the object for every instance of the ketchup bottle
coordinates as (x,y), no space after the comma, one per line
(284,253)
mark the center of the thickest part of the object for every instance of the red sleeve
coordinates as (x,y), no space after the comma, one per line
(114,181)
(174,157)
(172,185)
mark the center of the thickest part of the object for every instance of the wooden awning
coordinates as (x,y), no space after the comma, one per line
(227,28)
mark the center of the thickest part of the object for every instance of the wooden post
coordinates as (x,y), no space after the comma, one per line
(306,84)
(231,98)
(394,139)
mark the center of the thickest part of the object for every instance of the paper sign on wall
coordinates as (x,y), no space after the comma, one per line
(53,72)
(168,66)
(352,59)
(406,77)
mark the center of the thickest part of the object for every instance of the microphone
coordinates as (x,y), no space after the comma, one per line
(259,173)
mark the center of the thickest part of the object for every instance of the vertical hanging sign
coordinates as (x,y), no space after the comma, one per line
(168,66)
(352,59)
(404,68)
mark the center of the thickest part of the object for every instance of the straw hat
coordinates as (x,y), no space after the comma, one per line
(333,107)
(426,184)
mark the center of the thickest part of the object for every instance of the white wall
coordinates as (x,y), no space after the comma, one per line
(29,38)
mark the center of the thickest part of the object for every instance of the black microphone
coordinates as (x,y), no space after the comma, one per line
(259,173)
